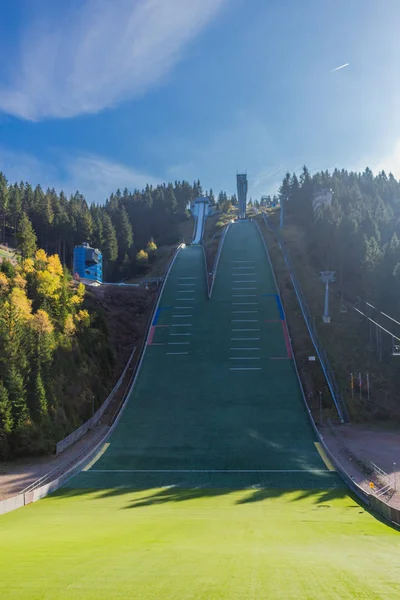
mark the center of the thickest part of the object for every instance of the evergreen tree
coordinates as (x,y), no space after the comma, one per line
(6,422)
(17,395)
(110,250)
(125,234)
(170,200)
(15,208)
(3,205)
(26,237)
(40,408)
(6,418)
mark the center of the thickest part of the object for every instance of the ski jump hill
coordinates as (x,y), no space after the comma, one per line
(212,483)
(217,400)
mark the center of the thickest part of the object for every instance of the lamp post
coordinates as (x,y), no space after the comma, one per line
(327,277)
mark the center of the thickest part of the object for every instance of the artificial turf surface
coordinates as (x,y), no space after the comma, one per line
(197,544)
(211,487)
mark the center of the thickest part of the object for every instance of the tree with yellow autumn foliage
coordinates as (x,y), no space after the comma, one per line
(44,350)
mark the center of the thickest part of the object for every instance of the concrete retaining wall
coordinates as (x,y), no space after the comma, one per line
(11,504)
(92,422)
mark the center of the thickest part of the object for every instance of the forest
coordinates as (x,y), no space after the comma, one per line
(55,355)
(356,235)
(121,228)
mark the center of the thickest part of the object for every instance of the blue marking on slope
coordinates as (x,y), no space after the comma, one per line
(280,307)
(156,315)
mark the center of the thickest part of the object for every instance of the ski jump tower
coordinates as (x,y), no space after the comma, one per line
(241,180)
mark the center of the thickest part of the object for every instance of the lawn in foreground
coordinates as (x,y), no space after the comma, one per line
(197,544)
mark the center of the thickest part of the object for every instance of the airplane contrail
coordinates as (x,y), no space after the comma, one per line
(341,67)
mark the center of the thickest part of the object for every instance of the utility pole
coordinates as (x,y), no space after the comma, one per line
(327,277)
(320,409)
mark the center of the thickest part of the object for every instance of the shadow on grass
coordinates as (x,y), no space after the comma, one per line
(321,498)
(175,494)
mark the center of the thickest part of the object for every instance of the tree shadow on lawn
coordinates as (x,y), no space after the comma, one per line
(155,489)
(157,496)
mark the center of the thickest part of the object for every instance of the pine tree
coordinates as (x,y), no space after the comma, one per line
(97,236)
(6,421)
(3,204)
(27,198)
(15,207)
(124,233)
(170,200)
(17,395)
(284,192)
(40,400)
(26,237)
(110,249)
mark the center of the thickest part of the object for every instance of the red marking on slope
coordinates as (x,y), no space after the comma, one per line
(151,335)
(287,341)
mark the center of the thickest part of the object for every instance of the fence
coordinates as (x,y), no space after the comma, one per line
(66,466)
(387,483)
(323,358)
(216,260)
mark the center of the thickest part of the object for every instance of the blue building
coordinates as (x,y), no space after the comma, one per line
(88,263)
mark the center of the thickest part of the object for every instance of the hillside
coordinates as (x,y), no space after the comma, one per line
(357,237)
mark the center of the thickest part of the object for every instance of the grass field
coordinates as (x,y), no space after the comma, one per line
(211,486)
(197,544)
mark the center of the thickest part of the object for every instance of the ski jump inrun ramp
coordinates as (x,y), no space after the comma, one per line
(217,400)
(200,213)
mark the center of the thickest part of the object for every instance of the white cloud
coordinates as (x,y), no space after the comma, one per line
(93,176)
(100,54)
(96,177)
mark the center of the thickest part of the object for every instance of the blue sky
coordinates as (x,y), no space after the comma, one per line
(100,94)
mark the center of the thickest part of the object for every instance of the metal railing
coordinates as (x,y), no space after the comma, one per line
(50,475)
(323,358)
(387,482)
(216,259)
